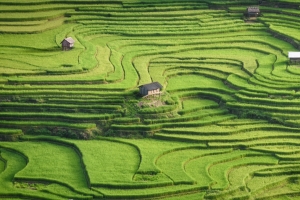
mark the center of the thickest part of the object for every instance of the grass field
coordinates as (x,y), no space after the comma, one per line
(74,126)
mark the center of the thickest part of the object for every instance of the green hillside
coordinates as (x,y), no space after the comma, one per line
(224,126)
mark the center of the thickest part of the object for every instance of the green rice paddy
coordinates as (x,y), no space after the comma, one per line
(74,126)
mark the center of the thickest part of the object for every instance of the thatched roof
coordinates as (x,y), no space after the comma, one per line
(253,9)
(69,40)
(152,86)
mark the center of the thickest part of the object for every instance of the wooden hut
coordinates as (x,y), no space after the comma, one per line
(294,57)
(67,44)
(150,89)
(252,11)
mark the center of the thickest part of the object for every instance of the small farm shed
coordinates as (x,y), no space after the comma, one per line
(294,57)
(150,88)
(252,11)
(67,44)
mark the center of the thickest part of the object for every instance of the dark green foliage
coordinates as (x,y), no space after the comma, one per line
(62,132)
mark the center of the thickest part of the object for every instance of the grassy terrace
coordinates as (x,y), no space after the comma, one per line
(73,125)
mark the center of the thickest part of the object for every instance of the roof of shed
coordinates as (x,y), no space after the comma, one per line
(152,86)
(69,39)
(294,54)
(253,9)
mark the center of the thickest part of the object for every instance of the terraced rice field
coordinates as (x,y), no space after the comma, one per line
(73,126)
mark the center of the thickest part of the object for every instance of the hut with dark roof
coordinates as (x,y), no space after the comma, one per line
(67,44)
(150,89)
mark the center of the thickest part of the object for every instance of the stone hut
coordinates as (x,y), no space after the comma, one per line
(150,88)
